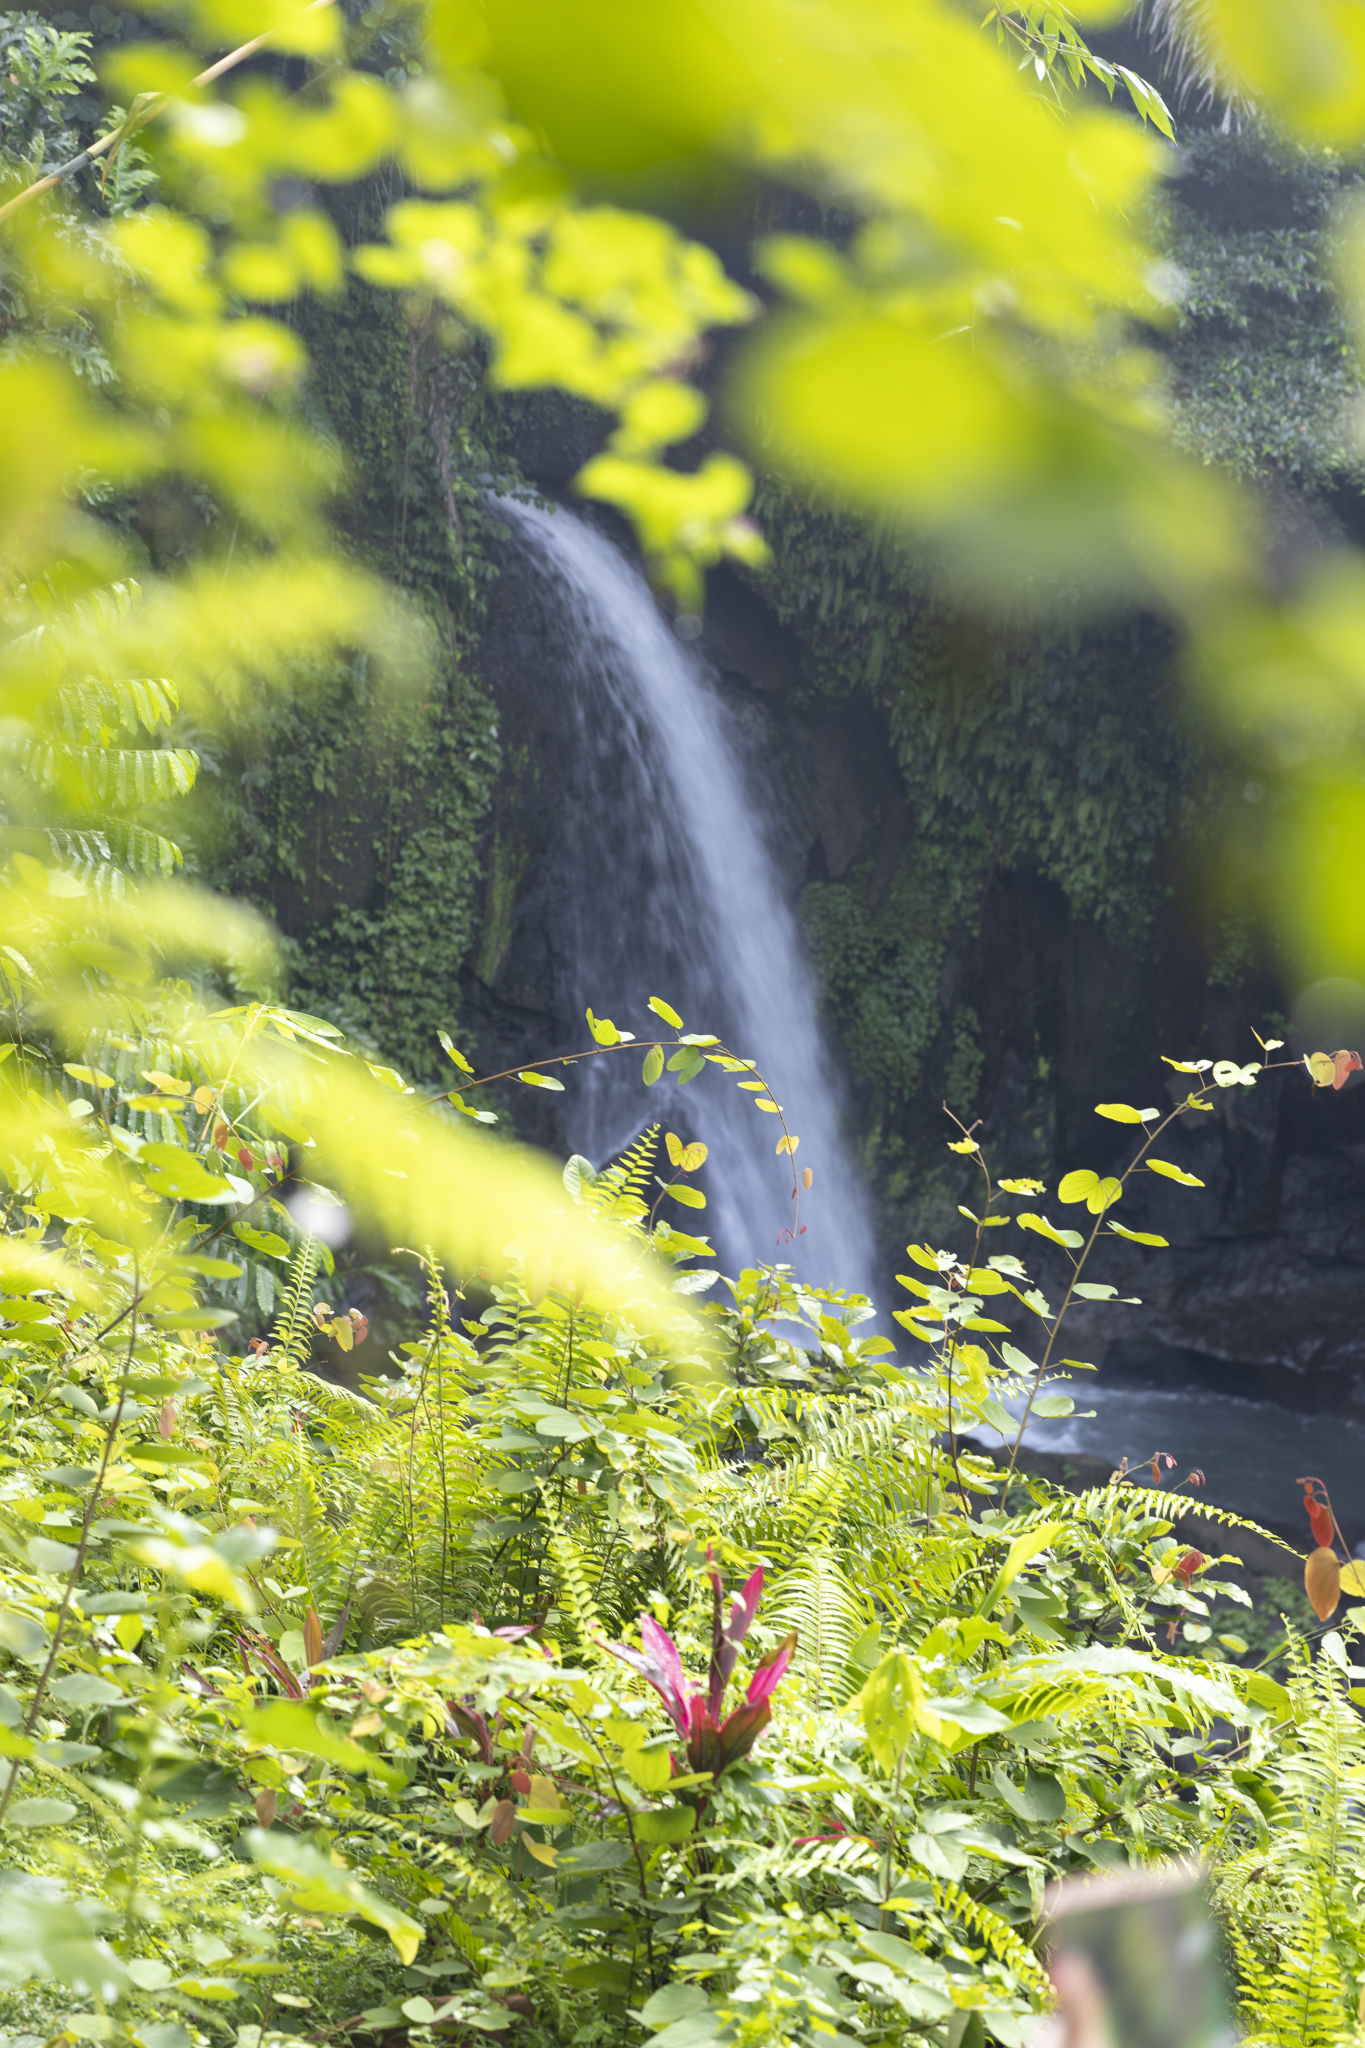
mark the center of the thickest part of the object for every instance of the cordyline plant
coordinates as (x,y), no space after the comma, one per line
(710,1743)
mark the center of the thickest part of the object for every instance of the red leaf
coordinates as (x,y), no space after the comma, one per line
(1346,1064)
(502,1823)
(521,1783)
(1321,1519)
(1193,1561)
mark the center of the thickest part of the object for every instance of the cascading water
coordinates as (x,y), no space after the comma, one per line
(666,886)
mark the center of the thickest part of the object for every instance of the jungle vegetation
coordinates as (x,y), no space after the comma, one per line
(595,1664)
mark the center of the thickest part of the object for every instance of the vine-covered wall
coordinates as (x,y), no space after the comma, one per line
(351,809)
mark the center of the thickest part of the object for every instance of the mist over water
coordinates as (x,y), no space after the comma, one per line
(669,888)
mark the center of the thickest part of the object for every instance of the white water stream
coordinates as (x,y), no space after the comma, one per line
(670,889)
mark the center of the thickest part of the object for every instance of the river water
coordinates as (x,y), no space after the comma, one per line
(1251,1452)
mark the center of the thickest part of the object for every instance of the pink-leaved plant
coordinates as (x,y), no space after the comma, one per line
(711,1743)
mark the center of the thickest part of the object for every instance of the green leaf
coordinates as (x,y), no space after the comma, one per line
(1169,1172)
(290,1725)
(316,1884)
(39,1813)
(1264,1691)
(674,1824)
(690,1197)
(654,1065)
(83,1689)
(674,2002)
(1021,1552)
(1049,1405)
(535,1080)
(266,1241)
(114,1603)
(650,1769)
(1078,1186)
(1141,1236)
(50,1556)
(22,1636)
(603,1030)
(686,1064)
(77,1398)
(1123,1113)
(453,1053)
(1072,1239)
(586,1856)
(171,1170)
(155,1452)
(666,1011)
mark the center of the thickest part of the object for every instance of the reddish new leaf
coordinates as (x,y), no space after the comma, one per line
(1193,1561)
(1346,1064)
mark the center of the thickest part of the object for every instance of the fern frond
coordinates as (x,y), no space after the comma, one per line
(998,1935)
(817,1600)
(292,1336)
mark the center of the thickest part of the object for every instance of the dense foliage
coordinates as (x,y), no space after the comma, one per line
(314,1716)
(604,1661)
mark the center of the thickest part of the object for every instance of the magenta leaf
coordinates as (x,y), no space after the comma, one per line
(727,1636)
(773,1668)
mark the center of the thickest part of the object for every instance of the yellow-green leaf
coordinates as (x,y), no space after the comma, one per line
(317,1884)
(291,1725)
(1072,1239)
(1141,1236)
(1169,1172)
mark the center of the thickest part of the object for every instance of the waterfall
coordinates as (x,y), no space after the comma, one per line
(666,886)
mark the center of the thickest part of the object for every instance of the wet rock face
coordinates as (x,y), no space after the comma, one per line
(1261,1294)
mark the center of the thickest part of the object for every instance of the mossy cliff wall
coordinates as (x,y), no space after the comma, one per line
(352,811)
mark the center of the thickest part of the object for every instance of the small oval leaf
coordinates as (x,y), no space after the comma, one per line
(1322,1582)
